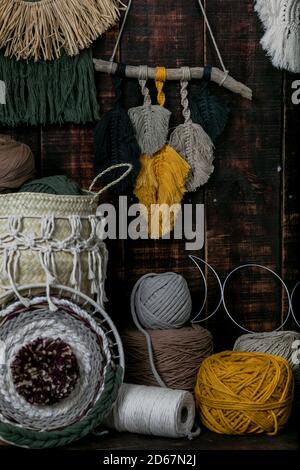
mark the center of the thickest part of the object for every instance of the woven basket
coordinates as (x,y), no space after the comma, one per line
(48,239)
(60,371)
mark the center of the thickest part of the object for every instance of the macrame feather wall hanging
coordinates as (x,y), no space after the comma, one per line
(47,72)
(281,41)
(184,161)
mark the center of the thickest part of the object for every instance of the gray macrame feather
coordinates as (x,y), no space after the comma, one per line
(193,143)
(150,122)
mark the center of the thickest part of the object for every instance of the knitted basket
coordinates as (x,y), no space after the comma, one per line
(48,239)
(60,371)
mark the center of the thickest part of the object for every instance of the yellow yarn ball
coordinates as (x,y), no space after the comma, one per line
(244,393)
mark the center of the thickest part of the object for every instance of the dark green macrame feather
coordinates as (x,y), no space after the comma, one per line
(115,141)
(45,92)
(208,110)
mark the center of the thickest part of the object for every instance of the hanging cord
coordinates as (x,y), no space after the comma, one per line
(160,78)
(121,31)
(155,373)
(127,11)
(226,72)
(143,78)
(186,77)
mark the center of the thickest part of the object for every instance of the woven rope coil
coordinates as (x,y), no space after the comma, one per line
(244,393)
(91,396)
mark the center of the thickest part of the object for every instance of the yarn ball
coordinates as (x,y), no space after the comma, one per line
(278,343)
(162,301)
(16,164)
(177,355)
(45,371)
(244,393)
(59,184)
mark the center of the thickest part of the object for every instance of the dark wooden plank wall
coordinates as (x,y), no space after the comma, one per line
(252,200)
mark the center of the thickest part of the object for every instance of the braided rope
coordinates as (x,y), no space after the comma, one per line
(160,78)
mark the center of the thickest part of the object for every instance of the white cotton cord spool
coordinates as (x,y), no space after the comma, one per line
(153,411)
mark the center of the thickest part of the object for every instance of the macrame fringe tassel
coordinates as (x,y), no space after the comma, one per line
(282,45)
(193,144)
(115,141)
(208,110)
(49,92)
(42,30)
(151,122)
(159,186)
(281,41)
(265,12)
(151,125)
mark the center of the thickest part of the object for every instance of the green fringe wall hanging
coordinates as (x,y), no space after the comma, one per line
(45,29)
(47,92)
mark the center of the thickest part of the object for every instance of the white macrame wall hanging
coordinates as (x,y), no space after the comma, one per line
(281,41)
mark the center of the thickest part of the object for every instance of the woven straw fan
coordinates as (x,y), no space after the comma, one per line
(44,29)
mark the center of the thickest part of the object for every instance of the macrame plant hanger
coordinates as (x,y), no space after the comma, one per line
(221,77)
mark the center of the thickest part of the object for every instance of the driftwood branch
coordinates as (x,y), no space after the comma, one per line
(217,76)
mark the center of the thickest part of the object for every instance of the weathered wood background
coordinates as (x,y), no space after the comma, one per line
(251,201)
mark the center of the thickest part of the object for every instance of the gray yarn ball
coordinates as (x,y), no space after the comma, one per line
(278,343)
(162,301)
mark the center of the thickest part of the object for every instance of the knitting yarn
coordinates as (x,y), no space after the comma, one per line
(281,20)
(153,410)
(16,164)
(192,142)
(278,343)
(244,393)
(61,371)
(59,184)
(161,301)
(177,354)
(150,122)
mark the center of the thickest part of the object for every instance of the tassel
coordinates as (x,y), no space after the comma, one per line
(49,92)
(281,40)
(161,182)
(207,110)
(43,29)
(192,142)
(114,139)
(150,122)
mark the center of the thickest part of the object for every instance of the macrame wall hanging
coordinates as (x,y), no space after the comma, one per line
(47,71)
(185,162)
(281,40)
(45,29)
(162,179)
